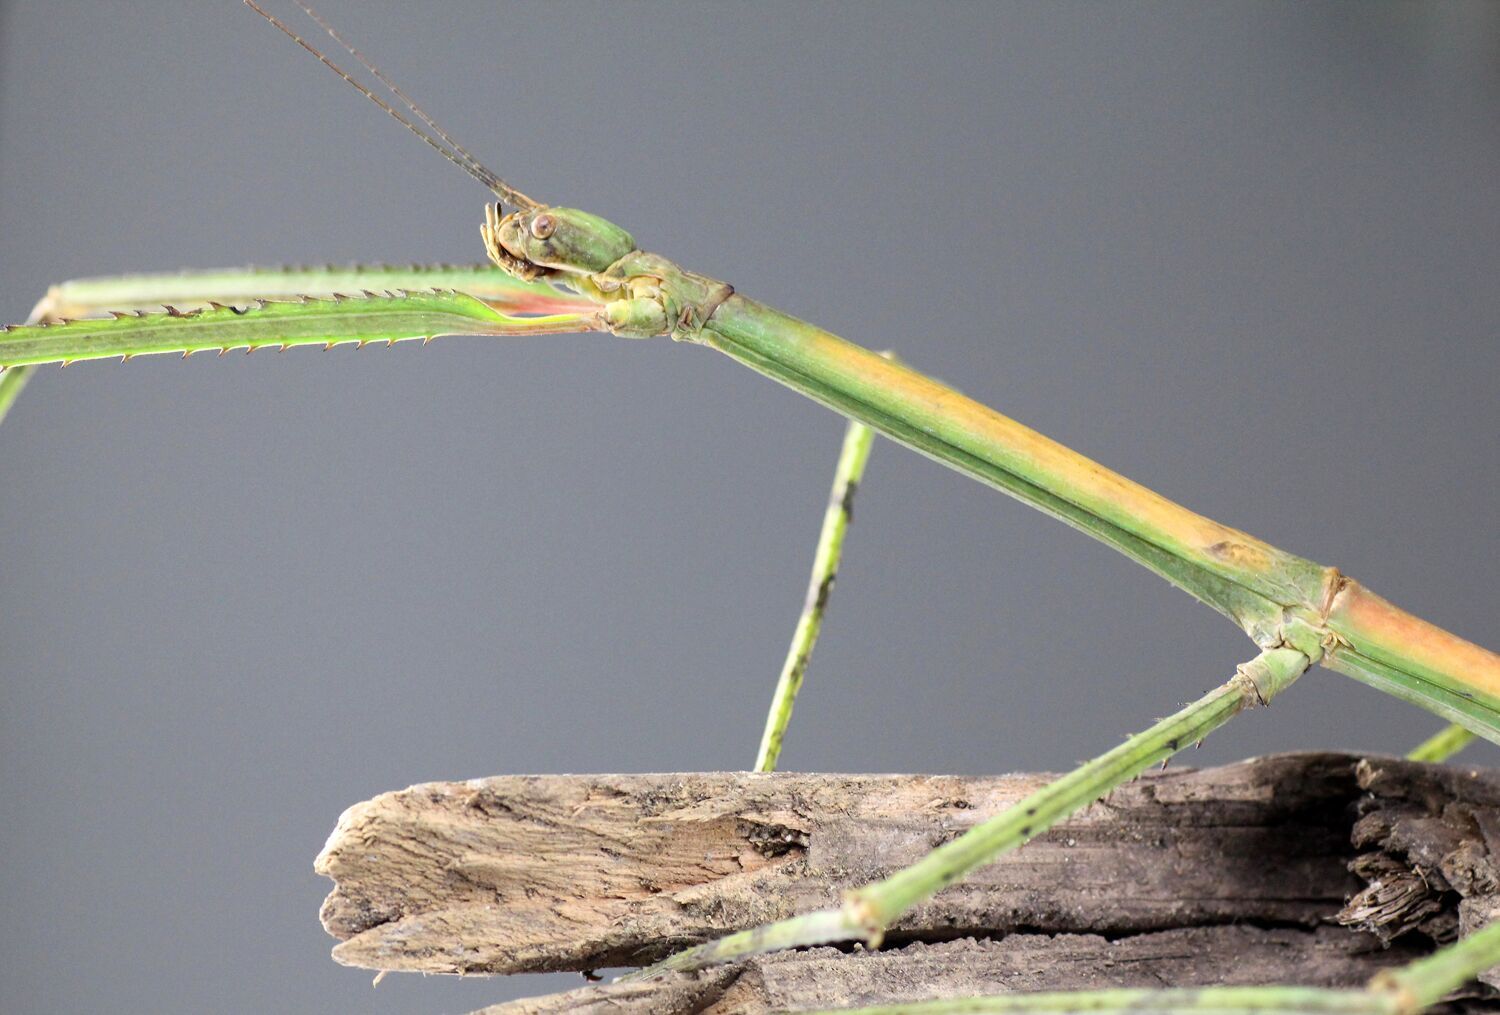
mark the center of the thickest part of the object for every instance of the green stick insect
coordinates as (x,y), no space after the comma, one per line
(562,270)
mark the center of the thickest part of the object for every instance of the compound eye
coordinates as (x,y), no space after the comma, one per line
(543,226)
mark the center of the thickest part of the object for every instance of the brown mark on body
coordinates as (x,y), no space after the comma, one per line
(1240,555)
(1334,582)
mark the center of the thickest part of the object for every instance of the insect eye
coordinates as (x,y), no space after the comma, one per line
(543,226)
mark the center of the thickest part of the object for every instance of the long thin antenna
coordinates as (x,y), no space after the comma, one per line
(370,66)
(457,155)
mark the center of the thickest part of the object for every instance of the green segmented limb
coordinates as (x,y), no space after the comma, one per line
(11,383)
(342,320)
(853,455)
(867,911)
(1442,745)
(1427,981)
(14,379)
(184,289)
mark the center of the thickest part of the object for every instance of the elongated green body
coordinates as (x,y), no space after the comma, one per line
(1278,598)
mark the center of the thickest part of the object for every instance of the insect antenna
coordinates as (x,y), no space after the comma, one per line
(447,147)
(369,65)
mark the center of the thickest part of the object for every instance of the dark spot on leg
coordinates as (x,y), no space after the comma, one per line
(825,588)
(846,502)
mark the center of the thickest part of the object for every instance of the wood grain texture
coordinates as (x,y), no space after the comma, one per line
(1189,876)
(826,977)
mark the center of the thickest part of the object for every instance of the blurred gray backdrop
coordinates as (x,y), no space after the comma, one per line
(1246,254)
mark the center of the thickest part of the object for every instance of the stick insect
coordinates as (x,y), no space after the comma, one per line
(559,269)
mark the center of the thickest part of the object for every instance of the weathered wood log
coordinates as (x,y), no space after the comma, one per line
(532,873)
(828,978)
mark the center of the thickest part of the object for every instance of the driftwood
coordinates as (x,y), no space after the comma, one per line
(1309,868)
(825,977)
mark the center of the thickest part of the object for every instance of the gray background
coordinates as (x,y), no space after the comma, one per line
(1244,254)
